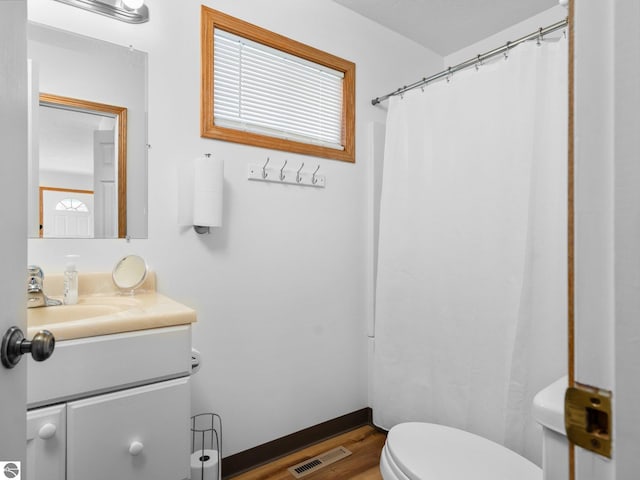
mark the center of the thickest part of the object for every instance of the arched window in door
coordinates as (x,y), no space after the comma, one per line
(71,205)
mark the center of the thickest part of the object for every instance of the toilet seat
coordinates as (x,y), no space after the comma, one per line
(426,451)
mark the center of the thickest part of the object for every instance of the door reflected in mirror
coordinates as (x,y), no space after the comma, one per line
(82,168)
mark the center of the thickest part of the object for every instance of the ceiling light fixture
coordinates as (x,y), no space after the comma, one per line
(130,11)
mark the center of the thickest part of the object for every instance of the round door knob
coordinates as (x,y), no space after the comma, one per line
(14,346)
(135,448)
(48,430)
(41,347)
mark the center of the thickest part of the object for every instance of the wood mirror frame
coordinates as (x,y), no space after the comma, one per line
(120,113)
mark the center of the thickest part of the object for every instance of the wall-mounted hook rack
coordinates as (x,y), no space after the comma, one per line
(278,174)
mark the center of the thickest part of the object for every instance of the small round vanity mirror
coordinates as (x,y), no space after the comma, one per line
(129,273)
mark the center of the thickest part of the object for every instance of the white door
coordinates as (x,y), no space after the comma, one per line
(105,186)
(607,227)
(67,214)
(13,196)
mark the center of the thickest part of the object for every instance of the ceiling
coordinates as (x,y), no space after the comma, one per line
(66,139)
(445,26)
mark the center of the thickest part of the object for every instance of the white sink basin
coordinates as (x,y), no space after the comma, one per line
(87,307)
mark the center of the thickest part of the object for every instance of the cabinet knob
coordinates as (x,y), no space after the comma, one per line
(135,448)
(48,430)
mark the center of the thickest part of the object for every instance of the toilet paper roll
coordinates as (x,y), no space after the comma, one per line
(208,180)
(200,192)
(204,465)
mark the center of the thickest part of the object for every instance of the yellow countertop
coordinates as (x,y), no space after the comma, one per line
(102,309)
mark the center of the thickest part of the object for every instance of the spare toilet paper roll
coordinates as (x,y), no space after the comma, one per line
(204,465)
(208,181)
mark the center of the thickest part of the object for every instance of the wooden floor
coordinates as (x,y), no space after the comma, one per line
(365,444)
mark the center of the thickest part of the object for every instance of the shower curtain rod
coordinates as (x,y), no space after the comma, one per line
(539,34)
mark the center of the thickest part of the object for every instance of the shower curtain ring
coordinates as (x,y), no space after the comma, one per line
(449,74)
(478,63)
(540,37)
(298,176)
(506,52)
(264,169)
(281,171)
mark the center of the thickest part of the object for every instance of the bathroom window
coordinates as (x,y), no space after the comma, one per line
(260,88)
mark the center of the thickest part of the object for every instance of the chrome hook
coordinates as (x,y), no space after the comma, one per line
(478,63)
(506,52)
(314,180)
(298,176)
(281,171)
(448,74)
(540,37)
(264,168)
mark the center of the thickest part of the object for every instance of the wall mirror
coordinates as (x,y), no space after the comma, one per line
(88,124)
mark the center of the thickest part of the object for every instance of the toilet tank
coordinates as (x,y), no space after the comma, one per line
(548,410)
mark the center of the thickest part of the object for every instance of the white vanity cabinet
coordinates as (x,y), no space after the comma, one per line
(139,433)
(122,408)
(46,443)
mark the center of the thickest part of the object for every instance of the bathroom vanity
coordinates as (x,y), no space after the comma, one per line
(113,401)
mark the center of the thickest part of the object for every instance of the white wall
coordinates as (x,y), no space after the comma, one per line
(72,180)
(543,19)
(281,289)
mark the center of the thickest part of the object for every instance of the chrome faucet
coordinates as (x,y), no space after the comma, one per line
(35,292)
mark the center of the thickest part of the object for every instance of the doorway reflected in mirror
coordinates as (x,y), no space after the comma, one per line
(82,162)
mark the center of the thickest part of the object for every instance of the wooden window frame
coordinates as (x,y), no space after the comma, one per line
(212,19)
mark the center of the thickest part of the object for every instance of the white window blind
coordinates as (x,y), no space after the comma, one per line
(266,91)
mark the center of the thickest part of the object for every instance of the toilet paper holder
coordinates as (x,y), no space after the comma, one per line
(206,438)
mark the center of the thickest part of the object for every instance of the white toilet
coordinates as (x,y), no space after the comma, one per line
(426,451)
(548,410)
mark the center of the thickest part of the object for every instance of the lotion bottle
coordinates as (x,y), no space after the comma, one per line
(71,281)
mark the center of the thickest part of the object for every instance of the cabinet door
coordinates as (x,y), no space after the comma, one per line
(140,433)
(46,443)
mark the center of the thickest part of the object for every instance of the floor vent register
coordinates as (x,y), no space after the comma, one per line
(316,463)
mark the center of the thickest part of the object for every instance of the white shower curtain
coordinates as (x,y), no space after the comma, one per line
(471,288)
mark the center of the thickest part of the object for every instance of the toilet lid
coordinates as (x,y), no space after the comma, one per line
(426,451)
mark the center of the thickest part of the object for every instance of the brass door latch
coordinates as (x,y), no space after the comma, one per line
(588,418)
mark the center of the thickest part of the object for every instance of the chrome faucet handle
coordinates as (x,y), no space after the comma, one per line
(34,285)
(35,271)
(35,289)
(35,279)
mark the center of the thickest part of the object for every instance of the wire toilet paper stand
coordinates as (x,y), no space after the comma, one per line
(206,438)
